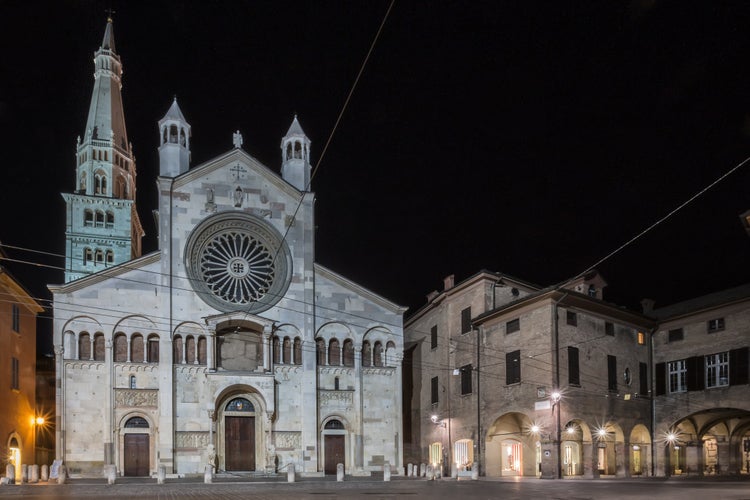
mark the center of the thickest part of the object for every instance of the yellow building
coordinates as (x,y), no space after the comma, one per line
(18,417)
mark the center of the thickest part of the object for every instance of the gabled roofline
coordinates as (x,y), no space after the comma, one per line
(570,298)
(702,303)
(358,289)
(108,273)
(234,155)
(462,285)
(19,291)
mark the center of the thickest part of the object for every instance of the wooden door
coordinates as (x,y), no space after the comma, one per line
(239,443)
(136,455)
(334,452)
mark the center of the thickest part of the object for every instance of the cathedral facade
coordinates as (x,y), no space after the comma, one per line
(229,346)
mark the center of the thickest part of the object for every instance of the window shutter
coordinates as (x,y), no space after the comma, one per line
(612,372)
(696,369)
(643,378)
(574,376)
(738,366)
(661,379)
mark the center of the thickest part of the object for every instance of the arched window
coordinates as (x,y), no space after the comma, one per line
(202,350)
(88,217)
(377,354)
(390,354)
(84,346)
(298,150)
(132,382)
(137,349)
(289,151)
(297,351)
(110,255)
(182,137)
(190,350)
(336,383)
(121,348)
(173,134)
(287,351)
(334,425)
(348,353)
(177,350)
(99,347)
(164,136)
(82,184)
(88,255)
(99,218)
(153,348)
(110,219)
(320,351)
(136,423)
(334,353)
(104,185)
(366,354)
(239,404)
(276,350)
(99,256)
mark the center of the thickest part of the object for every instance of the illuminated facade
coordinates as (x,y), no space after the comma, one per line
(527,381)
(18,418)
(229,346)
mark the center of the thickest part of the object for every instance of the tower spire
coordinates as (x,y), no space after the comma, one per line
(103,227)
(295,157)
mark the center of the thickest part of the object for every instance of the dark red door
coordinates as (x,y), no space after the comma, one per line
(239,443)
(334,452)
(136,455)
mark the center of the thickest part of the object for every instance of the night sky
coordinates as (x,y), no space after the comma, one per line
(529,138)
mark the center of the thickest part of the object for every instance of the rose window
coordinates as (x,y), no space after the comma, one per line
(238,262)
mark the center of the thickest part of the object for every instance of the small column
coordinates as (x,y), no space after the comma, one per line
(267,348)
(210,349)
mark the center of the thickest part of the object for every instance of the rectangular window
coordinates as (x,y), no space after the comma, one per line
(677,372)
(466,320)
(16,319)
(641,338)
(675,335)
(572,318)
(513,367)
(612,372)
(512,326)
(717,370)
(574,375)
(433,337)
(609,328)
(466,379)
(643,379)
(434,390)
(715,325)
(14,384)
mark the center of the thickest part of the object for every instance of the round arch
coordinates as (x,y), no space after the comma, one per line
(241,431)
(510,446)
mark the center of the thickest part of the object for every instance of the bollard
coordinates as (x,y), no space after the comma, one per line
(290,476)
(208,475)
(44,475)
(110,472)
(24,473)
(161,474)
(428,473)
(34,473)
(474,471)
(423,470)
(62,475)
(10,473)
(409,470)
(339,472)
(386,472)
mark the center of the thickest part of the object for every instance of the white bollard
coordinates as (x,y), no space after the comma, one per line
(409,470)
(208,474)
(290,475)
(24,473)
(44,475)
(423,470)
(34,473)
(62,475)
(161,474)
(339,472)
(110,472)
(475,471)
(386,472)
(10,473)
(428,473)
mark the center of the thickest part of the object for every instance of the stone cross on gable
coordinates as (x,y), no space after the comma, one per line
(237,139)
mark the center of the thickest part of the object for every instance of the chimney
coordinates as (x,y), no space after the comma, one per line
(448,282)
(647,305)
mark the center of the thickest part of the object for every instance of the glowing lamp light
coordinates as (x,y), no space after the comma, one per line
(556,396)
(571,430)
(671,437)
(434,419)
(535,429)
(39,420)
(602,432)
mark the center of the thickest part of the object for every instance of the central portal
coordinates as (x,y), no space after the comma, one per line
(239,443)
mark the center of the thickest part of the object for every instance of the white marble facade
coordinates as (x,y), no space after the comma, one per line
(229,337)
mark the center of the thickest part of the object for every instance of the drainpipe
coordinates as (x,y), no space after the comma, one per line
(653,400)
(479,398)
(556,332)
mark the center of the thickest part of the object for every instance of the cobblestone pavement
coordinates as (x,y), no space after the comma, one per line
(398,489)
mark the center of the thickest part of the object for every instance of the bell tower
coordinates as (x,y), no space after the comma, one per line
(174,142)
(102,224)
(295,157)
